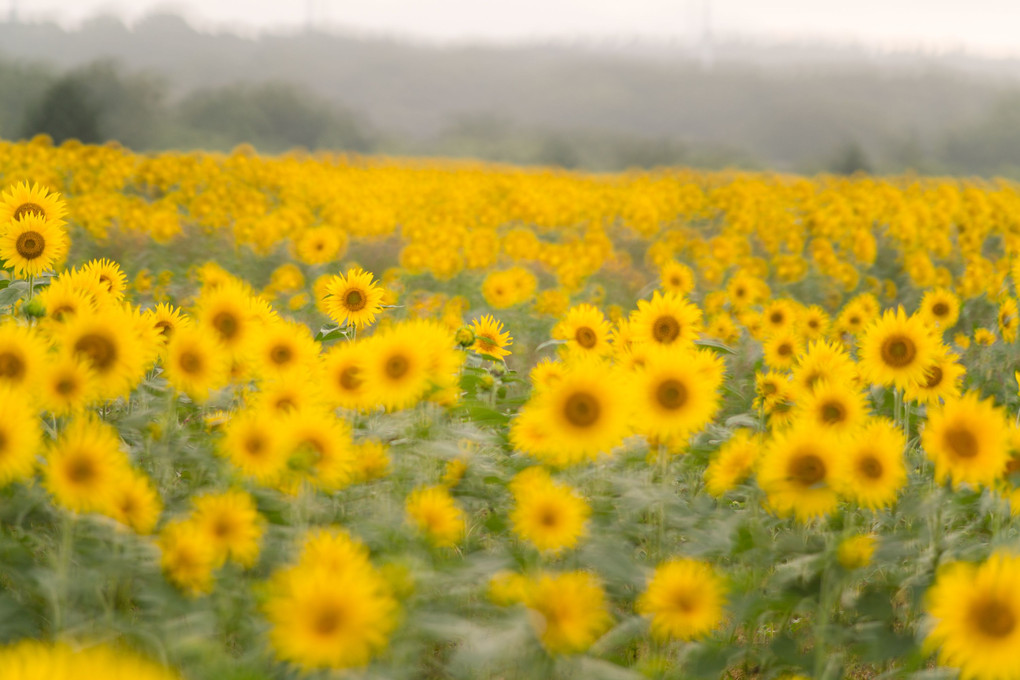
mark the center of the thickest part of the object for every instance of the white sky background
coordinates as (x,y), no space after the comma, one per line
(988,27)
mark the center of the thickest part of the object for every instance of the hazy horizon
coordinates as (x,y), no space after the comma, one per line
(981,27)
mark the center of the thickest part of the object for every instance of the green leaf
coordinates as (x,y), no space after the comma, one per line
(12,293)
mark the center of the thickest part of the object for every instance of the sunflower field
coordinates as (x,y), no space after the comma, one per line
(321,416)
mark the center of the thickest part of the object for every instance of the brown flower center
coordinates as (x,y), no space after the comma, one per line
(226,324)
(586,337)
(870,467)
(327,621)
(833,412)
(350,379)
(12,367)
(81,471)
(666,329)
(66,386)
(898,351)
(671,394)
(993,618)
(807,469)
(28,209)
(101,351)
(397,367)
(165,328)
(191,363)
(30,245)
(940,309)
(581,409)
(961,442)
(935,376)
(355,300)
(281,355)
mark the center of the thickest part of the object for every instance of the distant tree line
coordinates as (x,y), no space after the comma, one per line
(103,101)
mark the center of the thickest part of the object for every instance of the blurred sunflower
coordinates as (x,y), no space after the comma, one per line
(34,660)
(435,514)
(231,524)
(734,461)
(676,392)
(83,464)
(20,437)
(585,330)
(548,514)
(797,471)
(976,617)
(967,439)
(685,600)
(666,319)
(196,362)
(569,611)
(871,470)
(329,618)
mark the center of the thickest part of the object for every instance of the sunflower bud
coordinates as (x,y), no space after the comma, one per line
(465,337)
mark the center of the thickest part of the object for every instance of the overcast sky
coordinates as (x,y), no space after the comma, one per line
(982,26)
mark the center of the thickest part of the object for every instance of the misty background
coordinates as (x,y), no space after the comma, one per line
(597,104)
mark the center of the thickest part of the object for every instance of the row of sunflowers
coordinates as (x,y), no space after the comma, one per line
(317,415)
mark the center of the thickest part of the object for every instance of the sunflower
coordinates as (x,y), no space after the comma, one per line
(231,524)
(815,323)
(941,381)
(187,557)
(319,448)
(797,471)
(20,437)
(133,501)
(685,599)
(584,414)
(548,514)
(871,470)
(196,362)
(676,277)
(967,439)
(434,513)
(838,406)
(166,319)
(23,354)
(897,349)
(767,387)
(319,245)
(546,372)
(342,375)
(286,395)
(110,275)
(353,300)
(31,659)
(329,618)
(676,392)
(569,610)
(371,461)
(939,308)
(823,360)
(33,245)
(253,443)
(856,552)
(666,319)
(66,384)
(227,311)
(779,316)
(490,339)
(280,349)
(975,610)
(116,357)
(782,350)
(22,201)
(585,330)
(396,369)
(733,462)
(83,464)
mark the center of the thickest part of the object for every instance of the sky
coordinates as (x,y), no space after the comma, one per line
(987,27)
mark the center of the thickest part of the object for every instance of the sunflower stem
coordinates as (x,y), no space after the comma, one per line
(31,286)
